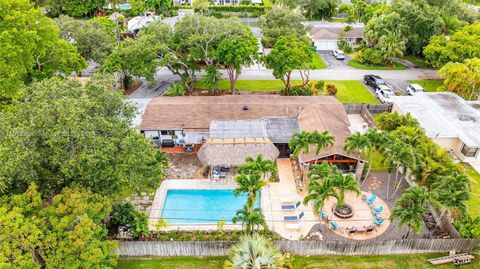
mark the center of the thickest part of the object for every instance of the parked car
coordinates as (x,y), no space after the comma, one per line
(412,89)
(374,81)
(339,55)
(384,94)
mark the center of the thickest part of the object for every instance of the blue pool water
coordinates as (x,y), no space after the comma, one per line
(201,206)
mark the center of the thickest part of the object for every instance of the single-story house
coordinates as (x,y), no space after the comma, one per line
(231,128)
(449,120)
(325,35)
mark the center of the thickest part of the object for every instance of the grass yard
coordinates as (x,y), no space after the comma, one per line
(377,164)
(429,85)
(397,66)
(330,262)
(473,205)
(419,62)
(317,62)
(171,262)
(349,91)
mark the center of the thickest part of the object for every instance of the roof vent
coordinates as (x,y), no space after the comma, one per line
(467,118)
(245,108)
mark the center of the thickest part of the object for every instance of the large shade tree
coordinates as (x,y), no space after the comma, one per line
(462,78)
(31,48)
(279,22)
(65,232)
(65,134)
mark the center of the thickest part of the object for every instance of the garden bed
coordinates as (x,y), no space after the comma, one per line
(395,66)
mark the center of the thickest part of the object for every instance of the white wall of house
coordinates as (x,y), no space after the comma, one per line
(196,137)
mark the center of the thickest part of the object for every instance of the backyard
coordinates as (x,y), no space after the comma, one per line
(349,91)
(330,262)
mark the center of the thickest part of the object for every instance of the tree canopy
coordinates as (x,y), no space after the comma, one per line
(279,22)
(65,233)
(460,46)
(73,8)
(31,48)
(65,134)
(462,78)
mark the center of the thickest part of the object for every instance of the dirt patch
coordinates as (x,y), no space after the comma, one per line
(183,166)
(133,87)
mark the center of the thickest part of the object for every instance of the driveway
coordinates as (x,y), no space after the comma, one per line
(158,88)
(333,63)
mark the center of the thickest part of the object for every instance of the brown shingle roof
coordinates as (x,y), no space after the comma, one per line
(329,32)
(194,113)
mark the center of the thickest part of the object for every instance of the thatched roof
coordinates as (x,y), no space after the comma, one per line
(233,152)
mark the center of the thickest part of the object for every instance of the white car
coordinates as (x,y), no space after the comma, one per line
(412,89)
(339,55)
(384,94)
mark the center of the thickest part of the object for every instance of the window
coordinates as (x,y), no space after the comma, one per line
(169,132)
(469,152)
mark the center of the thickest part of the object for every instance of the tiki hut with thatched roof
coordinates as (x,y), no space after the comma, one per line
(232,152)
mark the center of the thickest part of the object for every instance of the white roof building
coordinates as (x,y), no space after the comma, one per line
(448,119)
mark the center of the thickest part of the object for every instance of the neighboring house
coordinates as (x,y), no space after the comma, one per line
(326,35)
(449,120)
(231,128)
(218,2)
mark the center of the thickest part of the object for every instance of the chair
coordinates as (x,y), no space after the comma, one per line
(294,218)
(288,200)
(335,225)
(291,207)
(377,210)
(371,199)
(378,221)
(323,215)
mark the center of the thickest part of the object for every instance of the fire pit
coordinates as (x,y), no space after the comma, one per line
(344,212)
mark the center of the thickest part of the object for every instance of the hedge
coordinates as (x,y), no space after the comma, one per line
(239,8)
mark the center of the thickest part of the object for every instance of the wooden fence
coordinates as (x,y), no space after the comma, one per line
(301,248)
(372,108)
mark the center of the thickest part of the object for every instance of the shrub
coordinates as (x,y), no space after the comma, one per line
(216,235)
(320,85)
(124,214)
(299,91)
(175,90)
(331,89)
(468,227)
(369,56)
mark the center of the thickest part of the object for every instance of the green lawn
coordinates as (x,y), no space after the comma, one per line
(419,62)
(397,66)
(473,205)
(349,91)
(377,164)
(317,62)
(330,262)
(429,85)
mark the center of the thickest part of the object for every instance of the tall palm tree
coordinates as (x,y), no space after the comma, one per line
(451,192)
(255,252)
(411,207)
(342,183)
(398,154)
(376,140)
(357,142)
(391,121)
(252,220)
(321,140)
(300,142)
(319,192)
(249,184)
(259,165)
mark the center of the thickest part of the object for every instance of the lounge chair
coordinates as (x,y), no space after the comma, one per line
(294,218)
(335,225)
(323,215)
(292,206)
(293,226)
(378,221)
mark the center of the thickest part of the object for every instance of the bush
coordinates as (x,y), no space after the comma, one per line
(124,214)
(331,89)
(216,235)
(468,227)
(320,85)
(299,91)
(369,56)
(175,90)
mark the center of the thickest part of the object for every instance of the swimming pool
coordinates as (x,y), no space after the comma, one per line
(202,206)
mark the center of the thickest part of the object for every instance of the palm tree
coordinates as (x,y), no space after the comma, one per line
(391,121)
(321,140)
(451,192)
(251,220)
(259,165)
(376,139)
(255,252)
(320,171)
(357,142)
(398,154)
(249,184)
(342,184)
(411,207)
(319,193)
(300,142)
